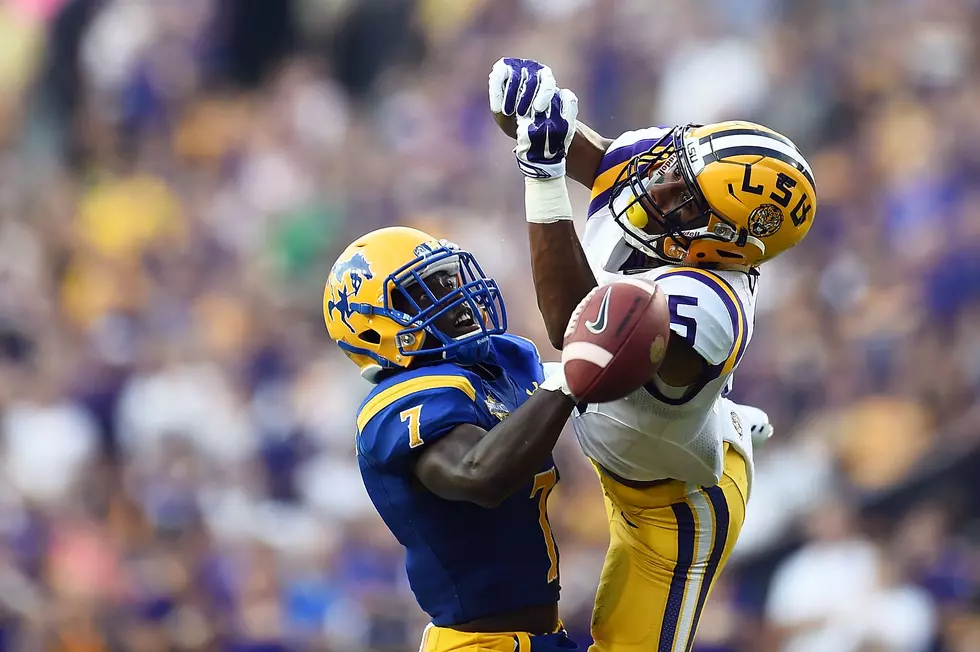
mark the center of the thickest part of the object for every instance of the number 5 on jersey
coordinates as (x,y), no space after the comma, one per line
(690,324)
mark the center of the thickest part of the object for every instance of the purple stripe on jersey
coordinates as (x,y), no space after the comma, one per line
(710,373)
(624,153)
(719,285)
(601,201)
(617,157)
(737,314)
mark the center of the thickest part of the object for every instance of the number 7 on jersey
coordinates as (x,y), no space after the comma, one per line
(544,483)
(414,417)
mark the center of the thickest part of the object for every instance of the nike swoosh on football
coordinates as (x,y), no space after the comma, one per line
(599,325)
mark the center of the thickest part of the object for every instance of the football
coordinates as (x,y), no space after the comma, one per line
(615,340)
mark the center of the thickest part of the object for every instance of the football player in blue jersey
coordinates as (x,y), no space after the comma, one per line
(454,441)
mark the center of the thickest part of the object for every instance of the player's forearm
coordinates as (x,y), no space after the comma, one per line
(561,273)
(585,154)
(559,267)
(509,455)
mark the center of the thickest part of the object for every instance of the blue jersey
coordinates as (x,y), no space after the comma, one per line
(464,562)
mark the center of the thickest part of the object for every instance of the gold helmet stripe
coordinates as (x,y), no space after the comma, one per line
(721,146)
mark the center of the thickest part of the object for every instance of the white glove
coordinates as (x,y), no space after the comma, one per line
(554,379)
(518,86)
(758,423)
(543,138)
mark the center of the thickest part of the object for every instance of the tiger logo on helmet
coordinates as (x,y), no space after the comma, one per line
(747,195)
(398,296)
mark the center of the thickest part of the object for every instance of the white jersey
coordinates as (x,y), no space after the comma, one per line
(661,432)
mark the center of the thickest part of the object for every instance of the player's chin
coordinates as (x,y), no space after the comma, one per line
(654,227)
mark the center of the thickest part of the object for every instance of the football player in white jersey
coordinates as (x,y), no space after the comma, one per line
(696,208)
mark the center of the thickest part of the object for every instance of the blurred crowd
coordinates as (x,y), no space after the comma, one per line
(177,432)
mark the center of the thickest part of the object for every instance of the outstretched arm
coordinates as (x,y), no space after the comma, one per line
(561,272)
(473,465)
(524,87)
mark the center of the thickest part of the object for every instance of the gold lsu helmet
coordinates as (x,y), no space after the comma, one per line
(748,195)
(377,271)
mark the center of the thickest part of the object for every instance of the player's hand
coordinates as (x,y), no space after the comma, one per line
(520,86)
(554,379)
(543,138)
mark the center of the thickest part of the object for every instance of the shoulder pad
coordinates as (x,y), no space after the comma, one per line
(707,312)
(408,411)
(519,354)
(628,145)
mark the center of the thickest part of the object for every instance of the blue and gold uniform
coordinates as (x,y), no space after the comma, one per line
(464,562)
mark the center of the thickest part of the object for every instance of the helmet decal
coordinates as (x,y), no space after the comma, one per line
(349,274)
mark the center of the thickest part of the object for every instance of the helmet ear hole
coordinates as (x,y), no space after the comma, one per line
(729,254)
(371,336)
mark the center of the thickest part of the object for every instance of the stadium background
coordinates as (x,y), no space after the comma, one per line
(177,432)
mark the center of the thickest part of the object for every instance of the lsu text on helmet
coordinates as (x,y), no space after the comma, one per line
(730,193)
(398,296)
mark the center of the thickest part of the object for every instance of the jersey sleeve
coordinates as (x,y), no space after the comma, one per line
(397,422)
(524,358)
(615,159)
(707,312)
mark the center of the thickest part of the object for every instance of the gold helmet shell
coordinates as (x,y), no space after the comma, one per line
(359,308)
(750,196)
